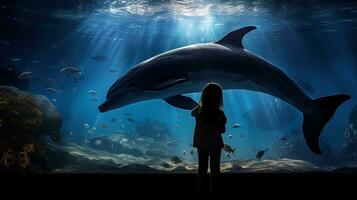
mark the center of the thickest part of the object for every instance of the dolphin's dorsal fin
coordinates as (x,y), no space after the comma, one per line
(235,38)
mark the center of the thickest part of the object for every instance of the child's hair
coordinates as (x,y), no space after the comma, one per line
(211,100)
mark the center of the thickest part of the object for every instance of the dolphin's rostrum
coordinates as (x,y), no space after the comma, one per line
(185,70)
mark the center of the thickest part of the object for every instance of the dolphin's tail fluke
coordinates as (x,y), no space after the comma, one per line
(315,121)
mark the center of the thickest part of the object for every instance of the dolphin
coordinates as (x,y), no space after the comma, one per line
(188,69)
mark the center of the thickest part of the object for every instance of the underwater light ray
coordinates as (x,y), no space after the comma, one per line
(194,30)
(95,43)
(342,59)
(233,104)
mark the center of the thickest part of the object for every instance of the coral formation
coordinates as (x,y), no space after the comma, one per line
(23,119)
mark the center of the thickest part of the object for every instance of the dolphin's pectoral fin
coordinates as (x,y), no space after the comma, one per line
(235,38)
(181,101)
(166,84)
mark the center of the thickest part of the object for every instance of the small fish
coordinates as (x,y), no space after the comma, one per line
(86,126)
(35,61)
(112,70)
(99,58)
(90,131)
(54,100)
(26,75)
(131,120)
(50,81)
(70,70)
(86,141)
(4,42)
(104,126)
(227,148)
(177,126)
(94,129)
(15,59)
(184,153)
(236,125)
(230,136)
(228,155)
(261,153)
(53,90)
(97,142)
(192,152)
(284,139)
(92,92)
(124,140)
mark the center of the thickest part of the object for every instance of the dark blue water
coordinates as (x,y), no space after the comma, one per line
(313,42)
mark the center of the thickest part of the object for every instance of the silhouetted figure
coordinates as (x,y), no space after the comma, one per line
(210,125)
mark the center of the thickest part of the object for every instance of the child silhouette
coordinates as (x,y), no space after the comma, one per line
(210,125)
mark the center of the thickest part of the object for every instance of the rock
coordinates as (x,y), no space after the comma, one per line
(176,160)
(165,165)
(23,119)
(17,101)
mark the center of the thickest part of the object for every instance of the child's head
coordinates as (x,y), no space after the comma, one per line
(212,97)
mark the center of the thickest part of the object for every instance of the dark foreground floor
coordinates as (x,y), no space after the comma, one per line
(181,185)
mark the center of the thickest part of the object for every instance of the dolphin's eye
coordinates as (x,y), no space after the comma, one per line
(131,84)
